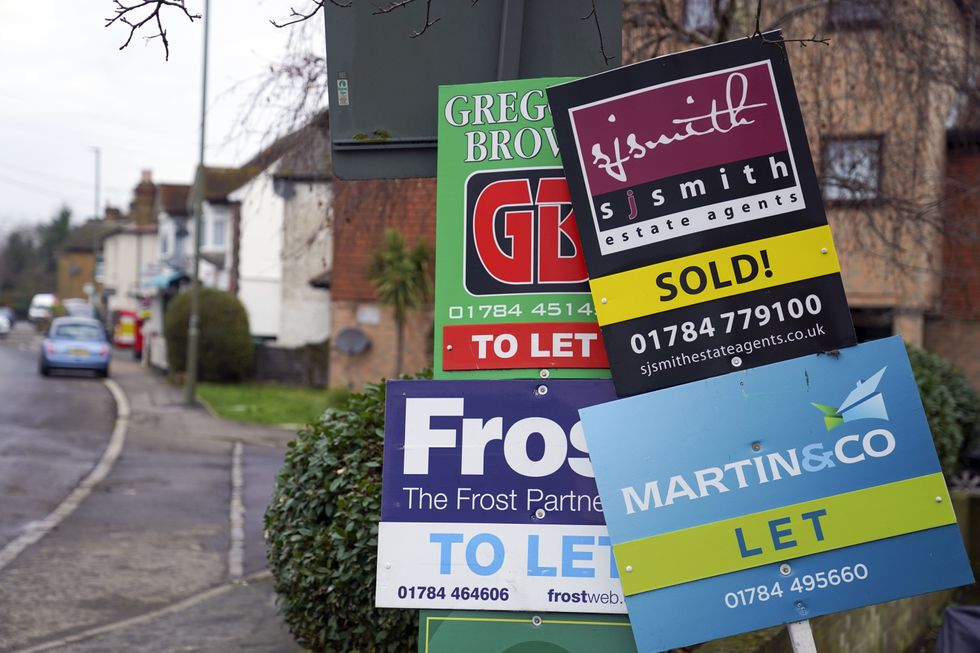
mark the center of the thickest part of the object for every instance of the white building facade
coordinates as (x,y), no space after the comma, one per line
(284,241)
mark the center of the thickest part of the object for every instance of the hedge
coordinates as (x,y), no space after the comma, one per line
(225,350)
(952,407)
(322,530)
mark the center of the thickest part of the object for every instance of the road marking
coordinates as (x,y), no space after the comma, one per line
(37,530)
(173,608)
(236,552)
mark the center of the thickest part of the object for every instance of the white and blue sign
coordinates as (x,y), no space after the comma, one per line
(774,495)
(489,499)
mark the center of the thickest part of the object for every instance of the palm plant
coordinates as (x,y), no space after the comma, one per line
(401,279)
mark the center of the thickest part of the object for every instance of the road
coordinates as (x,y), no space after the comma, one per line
(52,430)
(162,550)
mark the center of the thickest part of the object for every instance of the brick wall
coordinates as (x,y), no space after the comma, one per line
(961,247)
(378,362)
(74,271)
(955,332)
(958,341)
(362,211)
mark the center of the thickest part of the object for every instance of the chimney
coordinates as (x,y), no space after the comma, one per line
(144,197)
(112,214)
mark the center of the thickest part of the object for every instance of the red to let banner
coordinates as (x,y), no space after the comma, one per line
(507,346)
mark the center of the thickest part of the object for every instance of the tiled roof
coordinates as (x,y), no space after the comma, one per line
(304,154)
(88,236)
(172,198)
(219,182)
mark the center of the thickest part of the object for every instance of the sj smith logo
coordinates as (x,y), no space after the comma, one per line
(521,235)
(862,403)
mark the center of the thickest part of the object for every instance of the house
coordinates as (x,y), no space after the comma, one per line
(284,239)
(219,224)
(79,260)
(364,332)
(164,276)
(175,247)
(130,251)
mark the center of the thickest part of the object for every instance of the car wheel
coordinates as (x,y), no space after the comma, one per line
(44,370)
(104,373)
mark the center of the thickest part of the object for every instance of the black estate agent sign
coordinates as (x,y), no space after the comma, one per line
(699,215)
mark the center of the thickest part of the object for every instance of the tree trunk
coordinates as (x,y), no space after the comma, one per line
(399,346)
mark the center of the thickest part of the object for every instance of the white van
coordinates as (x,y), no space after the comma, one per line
(41,307)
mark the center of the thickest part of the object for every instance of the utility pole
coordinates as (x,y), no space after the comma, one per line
(193,324)
(95,216)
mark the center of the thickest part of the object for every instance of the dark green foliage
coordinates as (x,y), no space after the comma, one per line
(28,262)
(337,397)
(322,529)
(401,278)
(225,350)
(952,407)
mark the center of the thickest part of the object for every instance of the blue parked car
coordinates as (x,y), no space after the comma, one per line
(75,343)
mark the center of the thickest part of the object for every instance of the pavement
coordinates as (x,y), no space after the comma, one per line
(165,552)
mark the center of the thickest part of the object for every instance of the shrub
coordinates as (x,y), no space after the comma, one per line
(225,351)
(337,396)
(322,533)
(952,407)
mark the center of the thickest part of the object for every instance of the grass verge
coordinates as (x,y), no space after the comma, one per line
(269,403)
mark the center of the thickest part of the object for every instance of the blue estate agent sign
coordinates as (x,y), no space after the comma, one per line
(489,501)
(773,495)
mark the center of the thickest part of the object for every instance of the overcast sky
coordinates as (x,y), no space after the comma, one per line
(65,88)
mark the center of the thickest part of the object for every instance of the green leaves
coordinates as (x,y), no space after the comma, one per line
(322,527)
(951,405)
(225,349)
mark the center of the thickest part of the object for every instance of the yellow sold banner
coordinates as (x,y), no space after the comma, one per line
(718,273)
(791,531)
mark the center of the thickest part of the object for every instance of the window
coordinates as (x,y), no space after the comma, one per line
(218,227)
(856,14)
(872,323)
(699,15)
(852,169)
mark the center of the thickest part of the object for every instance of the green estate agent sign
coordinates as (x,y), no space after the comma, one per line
(512,294)
(443,631)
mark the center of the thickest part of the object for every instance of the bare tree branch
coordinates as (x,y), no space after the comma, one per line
(299,16)
(398,4)
(803,42)
(124,14)
(594,14)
